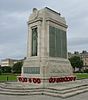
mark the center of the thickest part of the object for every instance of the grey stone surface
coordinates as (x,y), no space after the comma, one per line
(62,90)
(83,96)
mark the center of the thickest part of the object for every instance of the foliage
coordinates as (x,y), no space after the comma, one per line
(86,71)
(0,70)
(76,62)
(6,69)
(17,67)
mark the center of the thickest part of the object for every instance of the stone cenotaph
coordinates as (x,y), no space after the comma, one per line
(47,61)
(46,70)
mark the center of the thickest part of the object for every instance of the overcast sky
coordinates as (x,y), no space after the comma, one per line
(13,24)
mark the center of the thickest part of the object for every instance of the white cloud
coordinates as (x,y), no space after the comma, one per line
(12,50)
(77,44)
(13,27)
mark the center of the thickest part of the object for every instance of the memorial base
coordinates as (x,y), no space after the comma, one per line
(46,71)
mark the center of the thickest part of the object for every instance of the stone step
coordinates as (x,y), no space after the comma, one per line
(22,90)
(20,93)
(46,89)
(62,90)
(66,91)
(51,92)
(66,95)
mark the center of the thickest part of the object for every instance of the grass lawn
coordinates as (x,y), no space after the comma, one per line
(11,77)
(81,75)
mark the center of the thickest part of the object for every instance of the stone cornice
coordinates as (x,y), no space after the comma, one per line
(33,21)
(57,22)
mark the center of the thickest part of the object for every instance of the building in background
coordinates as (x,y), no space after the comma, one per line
(9,62)
(83,56)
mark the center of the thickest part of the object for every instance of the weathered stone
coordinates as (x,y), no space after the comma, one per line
(46,46)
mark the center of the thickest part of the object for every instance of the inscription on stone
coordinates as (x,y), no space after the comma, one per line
(32,70)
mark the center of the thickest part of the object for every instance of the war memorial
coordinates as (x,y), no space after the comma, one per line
(46,70)
(46,48)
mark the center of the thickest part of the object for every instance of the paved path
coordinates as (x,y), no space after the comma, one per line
(83,96)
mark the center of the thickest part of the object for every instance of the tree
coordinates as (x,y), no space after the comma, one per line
(76,62)
(84,52)
(17,67)
(6,69)
(0,70)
